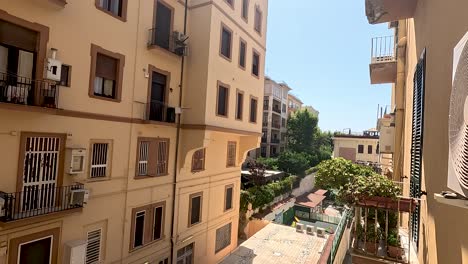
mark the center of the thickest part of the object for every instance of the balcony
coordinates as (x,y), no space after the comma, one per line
(174,43)
(33,202)
(383,11)
(20,90)
(277,109)
(160,112)
(275,141)
(265,107)
(383,66)
(276,125)
(264,140)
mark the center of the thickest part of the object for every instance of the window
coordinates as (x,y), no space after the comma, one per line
(226,42)
(239,105)
(360,148)
(230,2)
(161,34)
(100,159)
(245,10)
(106,74)
(253,110)
(65,75)
(256,64)
(258,20)
(164,261)
(369,149)
(223,100)
(231,154)
(228,197)
(283,122)
(223,237)
(93,246)
(198,160)
(377,150)
(152,157)
(185,255)
(242,51)
(147,224)
(284,108)
(116,8)
(195,213)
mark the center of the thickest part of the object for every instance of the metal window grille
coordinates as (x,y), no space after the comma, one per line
(223,237)
(143,158)
(99,160)
(198,161)
(231,157)
(161,166)
(93,247)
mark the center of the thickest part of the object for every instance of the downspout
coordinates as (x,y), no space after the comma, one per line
(174,184)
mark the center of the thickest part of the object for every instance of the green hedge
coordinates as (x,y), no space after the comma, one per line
(259,196)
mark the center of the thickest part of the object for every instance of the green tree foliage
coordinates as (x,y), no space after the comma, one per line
(336,173)
(304,136)
(269,163)
(362,187)
(293,162)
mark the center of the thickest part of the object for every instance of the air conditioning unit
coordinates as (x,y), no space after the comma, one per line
(179,37)
(79,197)
(182,50)
(54,67)
(75,252)
(387,140)
(75,160)
(310,230)
(320,232)
(457,179)
(299,227)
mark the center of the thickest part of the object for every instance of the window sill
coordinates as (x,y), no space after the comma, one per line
(147,244)
(161,49)
(115,100)
(462,203)
(141,177)
(121,18)
(224,57)
(98,179)
(195,224)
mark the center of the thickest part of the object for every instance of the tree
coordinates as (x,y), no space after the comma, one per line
(293,162)
(338,172)
(304,136)
(269,163)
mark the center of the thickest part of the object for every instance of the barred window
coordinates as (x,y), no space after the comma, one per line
(223,237)
(231,154)
(100,165)
(198,160)
(152,157)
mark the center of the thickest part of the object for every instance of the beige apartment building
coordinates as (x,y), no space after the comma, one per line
(294,103)
(362,148)
(426,62)
(123,125)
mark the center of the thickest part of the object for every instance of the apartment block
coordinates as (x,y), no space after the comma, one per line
(425,61)
(124,125)
(360,148)
(294,103)
(275,115)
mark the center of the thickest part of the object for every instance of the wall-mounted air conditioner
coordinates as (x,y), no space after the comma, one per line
(79,197)
(458,121)
(75,160)
(387,140)
(54,67)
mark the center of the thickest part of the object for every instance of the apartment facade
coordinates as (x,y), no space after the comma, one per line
(122,133)
(427,70)
(357,148)
(294,103)
(275,115)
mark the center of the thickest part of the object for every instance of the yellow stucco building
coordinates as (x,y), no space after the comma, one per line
(123,125)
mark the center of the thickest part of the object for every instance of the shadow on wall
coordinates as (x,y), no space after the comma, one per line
(242,255)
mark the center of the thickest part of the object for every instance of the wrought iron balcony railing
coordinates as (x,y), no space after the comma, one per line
(160,112)
(22,90)
(170,41)
(35,201)
(275,140)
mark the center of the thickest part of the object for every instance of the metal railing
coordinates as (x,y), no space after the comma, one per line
(35,201)
(275,140)
(276,125)
(347,215)
(156,38)
(265,107)
(277,109)
(160,111)
(383,49)
(17,89)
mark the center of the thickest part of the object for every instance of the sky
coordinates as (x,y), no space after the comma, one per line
(321,49)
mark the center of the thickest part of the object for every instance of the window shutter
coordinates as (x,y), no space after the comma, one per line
(153,158)
(417,142)
(106,67)
(93,247)
(162,149)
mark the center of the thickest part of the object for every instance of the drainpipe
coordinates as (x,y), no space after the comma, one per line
(174,184)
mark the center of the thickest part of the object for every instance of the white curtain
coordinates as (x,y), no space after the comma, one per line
(25,65)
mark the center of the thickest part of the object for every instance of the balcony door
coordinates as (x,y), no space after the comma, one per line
(158,89)
(37,251)
(42,164)
(163,25)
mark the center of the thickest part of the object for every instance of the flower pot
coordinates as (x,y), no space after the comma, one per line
(394,252)
(371,247)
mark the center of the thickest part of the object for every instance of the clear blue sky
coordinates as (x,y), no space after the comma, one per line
(321,48)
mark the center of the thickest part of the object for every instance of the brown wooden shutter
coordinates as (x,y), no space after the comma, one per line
(17,36)
(231,154)
(106,67)
(162,157)
(153,158)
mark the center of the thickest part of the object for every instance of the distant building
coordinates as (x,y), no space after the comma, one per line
(358,147)
(312,110)
(294,103)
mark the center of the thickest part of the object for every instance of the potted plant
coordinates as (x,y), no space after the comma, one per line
(372,238)
(394,249)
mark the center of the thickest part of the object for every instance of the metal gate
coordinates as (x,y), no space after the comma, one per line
(41,164)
